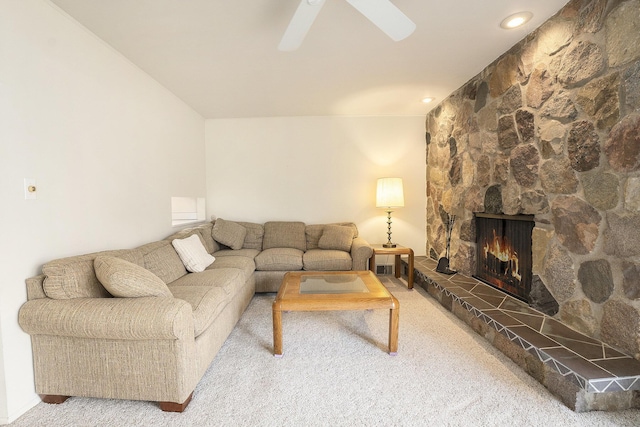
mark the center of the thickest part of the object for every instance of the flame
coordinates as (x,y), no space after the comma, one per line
(500,248)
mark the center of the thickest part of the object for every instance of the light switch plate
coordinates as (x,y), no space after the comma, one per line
(30,189)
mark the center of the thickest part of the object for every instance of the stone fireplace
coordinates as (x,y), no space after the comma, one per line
(551,129)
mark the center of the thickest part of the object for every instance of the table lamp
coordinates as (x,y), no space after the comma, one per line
(389,195)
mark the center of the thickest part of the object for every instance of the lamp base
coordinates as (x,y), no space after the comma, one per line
(389,245)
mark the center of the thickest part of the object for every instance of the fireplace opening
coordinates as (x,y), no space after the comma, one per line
(503,252)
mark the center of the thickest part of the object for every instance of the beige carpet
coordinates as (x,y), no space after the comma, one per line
(336,372)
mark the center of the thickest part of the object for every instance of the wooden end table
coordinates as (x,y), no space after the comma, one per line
(333,290)
(398,251)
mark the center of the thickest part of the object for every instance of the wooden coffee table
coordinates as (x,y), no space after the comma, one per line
(333,291)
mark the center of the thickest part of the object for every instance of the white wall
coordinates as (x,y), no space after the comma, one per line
(108,147)
(317,170)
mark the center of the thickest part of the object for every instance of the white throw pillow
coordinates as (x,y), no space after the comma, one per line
(125,279)
(192,253)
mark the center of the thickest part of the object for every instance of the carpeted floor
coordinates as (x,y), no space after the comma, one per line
(336,372)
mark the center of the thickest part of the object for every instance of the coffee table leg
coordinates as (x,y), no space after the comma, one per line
(277,331)
(394,317)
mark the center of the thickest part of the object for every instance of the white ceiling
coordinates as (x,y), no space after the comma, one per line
(221,56)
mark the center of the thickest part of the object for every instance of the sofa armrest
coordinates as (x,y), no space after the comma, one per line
(109,318)
(361,251)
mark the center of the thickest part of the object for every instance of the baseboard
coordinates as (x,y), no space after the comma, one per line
(23,410)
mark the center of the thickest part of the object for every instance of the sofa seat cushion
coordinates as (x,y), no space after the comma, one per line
(246,265)
(227,279)
(243,253)
(327,260)
(206,302)
(279,259)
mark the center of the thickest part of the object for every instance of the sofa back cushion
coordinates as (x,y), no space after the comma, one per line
(161,259)
(255,234)
(284,234)
(74,277)
(205,232)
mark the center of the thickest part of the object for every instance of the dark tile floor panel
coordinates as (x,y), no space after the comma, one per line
(593,365)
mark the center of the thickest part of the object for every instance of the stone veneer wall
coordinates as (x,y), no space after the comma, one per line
(552,128)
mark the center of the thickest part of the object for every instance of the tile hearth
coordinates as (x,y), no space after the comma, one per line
(581,360)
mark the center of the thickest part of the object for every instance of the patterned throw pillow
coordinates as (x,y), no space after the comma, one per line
(192,253)
(336,237)
(127,280)
(229,233)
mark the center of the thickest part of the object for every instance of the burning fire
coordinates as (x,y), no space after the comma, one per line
(505,258)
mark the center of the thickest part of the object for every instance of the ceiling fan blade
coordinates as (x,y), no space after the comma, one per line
(386,16)
(300,24)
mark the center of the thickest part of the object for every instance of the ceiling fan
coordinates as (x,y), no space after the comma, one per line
(384,14)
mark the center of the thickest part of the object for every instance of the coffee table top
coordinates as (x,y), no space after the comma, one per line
(332,284)
(333,290)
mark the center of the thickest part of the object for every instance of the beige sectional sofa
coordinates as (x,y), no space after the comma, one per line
(145,323)
(281,246)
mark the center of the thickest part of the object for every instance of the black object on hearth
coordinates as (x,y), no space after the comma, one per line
(443,263)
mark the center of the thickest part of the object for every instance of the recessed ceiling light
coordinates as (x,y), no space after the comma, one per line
(516,20)
(427,100)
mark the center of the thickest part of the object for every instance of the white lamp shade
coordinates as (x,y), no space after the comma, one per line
(389,193)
